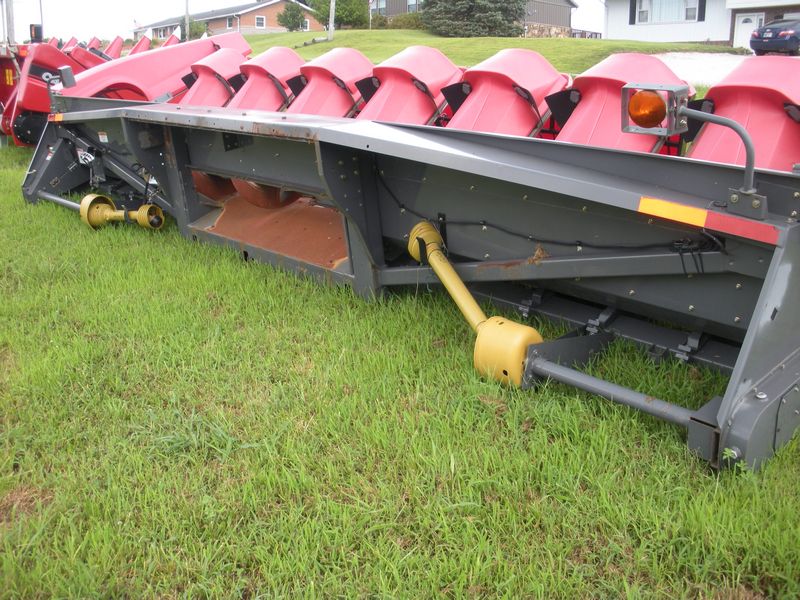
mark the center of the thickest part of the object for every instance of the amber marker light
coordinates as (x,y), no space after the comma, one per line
(647,109)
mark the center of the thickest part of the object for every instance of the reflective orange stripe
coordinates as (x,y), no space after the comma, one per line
(715,221)
(673,211)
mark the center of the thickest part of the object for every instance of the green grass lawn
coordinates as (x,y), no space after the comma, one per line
(568,55)
(177,422)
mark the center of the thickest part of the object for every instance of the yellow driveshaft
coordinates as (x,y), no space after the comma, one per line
(97,210)
(501,345)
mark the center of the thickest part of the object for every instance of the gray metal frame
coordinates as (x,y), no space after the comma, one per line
(541,226)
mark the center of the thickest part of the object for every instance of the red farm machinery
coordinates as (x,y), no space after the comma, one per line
(612,201)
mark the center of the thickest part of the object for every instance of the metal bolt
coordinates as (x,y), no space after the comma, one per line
(794,213)
(342,177)
(797,195)
(649,221)
(756,203)
(355,172)
(484,228)
(524,196)
(486,255)
(579,248)
(471,188)
(691,307)
(341,163)
(584,208)
(738,286)
(734,198)
(737,319)
(761,396)
(631,292)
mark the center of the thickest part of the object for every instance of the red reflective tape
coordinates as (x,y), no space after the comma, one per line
(746,228)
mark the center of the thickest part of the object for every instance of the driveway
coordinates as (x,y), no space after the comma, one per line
(699,68)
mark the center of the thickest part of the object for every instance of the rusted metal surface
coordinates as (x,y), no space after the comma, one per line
(301,230)
(264,196)
(213,187)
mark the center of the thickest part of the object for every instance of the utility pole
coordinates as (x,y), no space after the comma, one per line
(41,18)
(186,21)
(10,22)
(331,19)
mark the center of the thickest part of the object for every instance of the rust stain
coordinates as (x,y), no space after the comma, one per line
(302,230)
(265,196)
(212,186)
(538,256)
(535,259)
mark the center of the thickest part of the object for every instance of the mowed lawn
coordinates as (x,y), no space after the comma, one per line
(568,55)
(177,422)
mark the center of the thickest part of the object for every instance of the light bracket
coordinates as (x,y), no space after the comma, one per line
(675,97)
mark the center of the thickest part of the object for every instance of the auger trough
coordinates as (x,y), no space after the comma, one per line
(578,200)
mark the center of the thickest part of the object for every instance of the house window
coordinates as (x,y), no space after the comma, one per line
(306,25)
(261,22)
(666,11)
(643,11)
(413,6)
(381,7)
(229,23)
(691,10)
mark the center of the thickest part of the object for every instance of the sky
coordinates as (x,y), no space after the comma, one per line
(108,18)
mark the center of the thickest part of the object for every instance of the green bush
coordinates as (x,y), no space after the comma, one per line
(379,22)
(405,21)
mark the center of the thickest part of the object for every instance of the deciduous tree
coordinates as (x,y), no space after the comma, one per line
(292,17)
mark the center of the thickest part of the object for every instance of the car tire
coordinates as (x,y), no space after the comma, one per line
(759,52)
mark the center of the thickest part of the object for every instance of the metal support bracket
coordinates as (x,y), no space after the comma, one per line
(747,203)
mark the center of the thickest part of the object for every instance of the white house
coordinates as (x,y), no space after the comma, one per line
(719,21)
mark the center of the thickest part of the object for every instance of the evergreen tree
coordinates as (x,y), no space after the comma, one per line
(473,18)
(292,17)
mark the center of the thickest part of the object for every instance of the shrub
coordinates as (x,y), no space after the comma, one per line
(405,21)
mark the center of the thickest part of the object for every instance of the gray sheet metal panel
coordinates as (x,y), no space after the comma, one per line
(606,176)
(612,265)
(291,163)
(54,167)
(769,361)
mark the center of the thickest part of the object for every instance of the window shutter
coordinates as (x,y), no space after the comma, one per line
(701,10)
(632,12)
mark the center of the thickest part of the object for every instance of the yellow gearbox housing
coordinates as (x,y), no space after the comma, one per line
(501,348)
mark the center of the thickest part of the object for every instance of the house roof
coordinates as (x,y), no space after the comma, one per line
(569,3)
(231,11)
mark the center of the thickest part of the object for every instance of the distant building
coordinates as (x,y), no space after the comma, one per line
(729,22)
(250,18)
(537,12)
(551,12)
